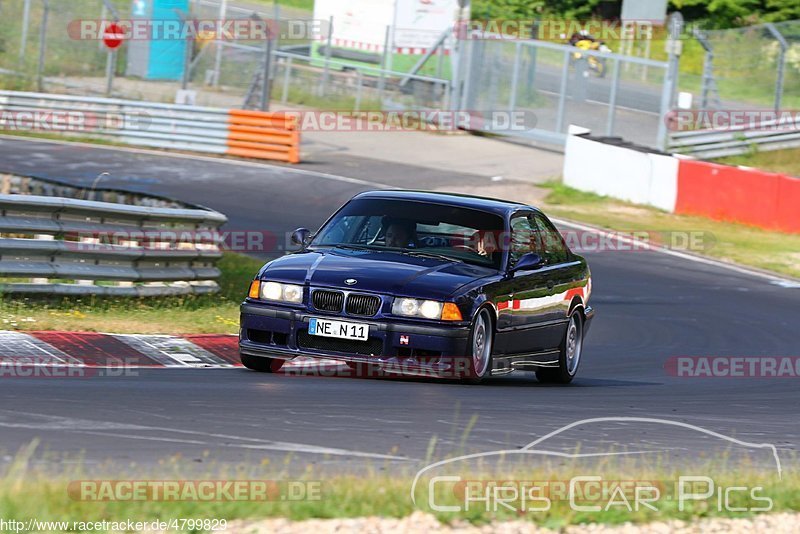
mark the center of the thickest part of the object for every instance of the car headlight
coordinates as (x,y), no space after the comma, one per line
(427,309)
(276,292)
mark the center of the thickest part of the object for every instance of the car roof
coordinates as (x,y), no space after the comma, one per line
(450,199)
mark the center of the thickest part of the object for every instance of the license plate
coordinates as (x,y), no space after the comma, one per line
(338,329)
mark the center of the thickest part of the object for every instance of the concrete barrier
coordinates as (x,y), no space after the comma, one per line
(737,194)
(677,184)
(620,172)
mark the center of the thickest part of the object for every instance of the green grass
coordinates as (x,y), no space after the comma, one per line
(193,314)
(781,161)
(737,243)
(307,5)
(27,491)
(562,194)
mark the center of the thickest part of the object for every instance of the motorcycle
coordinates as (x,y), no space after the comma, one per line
(585,42)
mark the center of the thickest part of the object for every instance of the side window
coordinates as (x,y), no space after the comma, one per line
(522,238)
(550,243)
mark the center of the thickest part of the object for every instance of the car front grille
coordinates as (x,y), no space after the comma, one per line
(371,347)
(331,301)
(363,305)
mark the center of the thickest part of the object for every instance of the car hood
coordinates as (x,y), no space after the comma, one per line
(375,271)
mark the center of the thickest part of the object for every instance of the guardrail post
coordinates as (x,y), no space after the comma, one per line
(287,74)
(111,58)
(512,103)
(326,70)
(612,99)
(223,11)
(359,76)
(781,64)
(581,77)
(266,75)
(562,98)
(674,49)
(384,63)
(23,40)
(42,46)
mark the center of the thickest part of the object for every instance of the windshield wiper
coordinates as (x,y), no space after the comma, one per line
(432,255)
(350,246)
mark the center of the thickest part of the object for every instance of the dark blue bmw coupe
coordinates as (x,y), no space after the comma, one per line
(425,284)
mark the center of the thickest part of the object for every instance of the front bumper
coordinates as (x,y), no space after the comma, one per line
(395,347)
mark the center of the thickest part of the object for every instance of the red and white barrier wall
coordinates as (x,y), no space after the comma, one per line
(681,185)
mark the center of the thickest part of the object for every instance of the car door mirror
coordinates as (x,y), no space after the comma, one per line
(528,262)
(300,237)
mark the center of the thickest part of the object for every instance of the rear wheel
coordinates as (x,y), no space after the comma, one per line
(481,343)
(569,356)
(261,364)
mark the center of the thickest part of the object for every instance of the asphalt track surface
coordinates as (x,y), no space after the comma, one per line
(650,307)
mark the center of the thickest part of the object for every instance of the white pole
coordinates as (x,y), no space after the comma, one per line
(223,9)
(26,15)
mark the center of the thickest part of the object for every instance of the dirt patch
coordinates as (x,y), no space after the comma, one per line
(420,522)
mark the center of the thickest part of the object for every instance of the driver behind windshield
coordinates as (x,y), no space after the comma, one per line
(400,233)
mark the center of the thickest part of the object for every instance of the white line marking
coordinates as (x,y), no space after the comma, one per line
(774,278)
(134,150)
(148,438)
(788,284)
(55,422)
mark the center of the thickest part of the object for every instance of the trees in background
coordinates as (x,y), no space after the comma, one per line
(715,13)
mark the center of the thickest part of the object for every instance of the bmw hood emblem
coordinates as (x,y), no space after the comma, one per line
(351,281)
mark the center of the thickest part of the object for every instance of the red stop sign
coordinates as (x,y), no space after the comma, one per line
(113,35)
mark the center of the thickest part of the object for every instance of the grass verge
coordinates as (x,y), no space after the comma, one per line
(27,492)
(192,314)
(738,243)
(781,161)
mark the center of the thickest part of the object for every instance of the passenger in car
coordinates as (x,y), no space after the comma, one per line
(400,234)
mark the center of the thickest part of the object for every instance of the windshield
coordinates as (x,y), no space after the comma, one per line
(418,228)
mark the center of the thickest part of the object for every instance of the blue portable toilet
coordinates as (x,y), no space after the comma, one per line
(158,58)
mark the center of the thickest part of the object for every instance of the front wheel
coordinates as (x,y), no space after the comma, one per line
(569,357)
(261,364)
(481,343)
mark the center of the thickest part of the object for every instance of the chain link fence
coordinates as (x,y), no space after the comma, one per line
(39,51)
(557,86)
(35,42)
(756,67)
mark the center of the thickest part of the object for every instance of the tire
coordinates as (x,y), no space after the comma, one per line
(569,358)
(261,364)
(481,343)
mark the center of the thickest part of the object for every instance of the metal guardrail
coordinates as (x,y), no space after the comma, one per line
(770,135)
(67,246)
(153,124)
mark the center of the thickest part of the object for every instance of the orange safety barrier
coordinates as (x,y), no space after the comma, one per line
(748,196)
(263,135)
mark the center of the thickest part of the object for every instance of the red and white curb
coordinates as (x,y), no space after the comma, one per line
(90,349)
